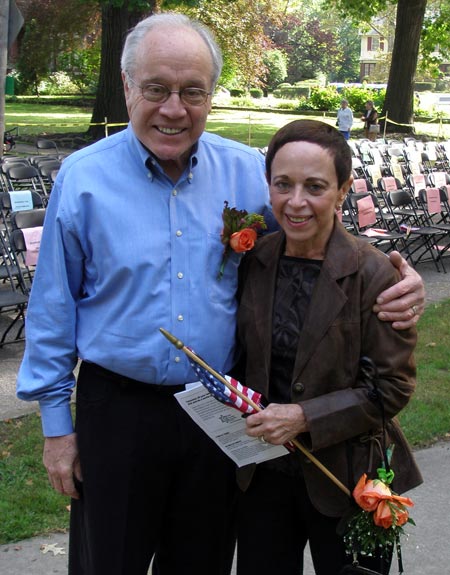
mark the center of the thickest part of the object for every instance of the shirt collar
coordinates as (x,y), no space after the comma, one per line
(152,164)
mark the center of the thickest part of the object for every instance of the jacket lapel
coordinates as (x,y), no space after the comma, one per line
(328,298)
(263,289)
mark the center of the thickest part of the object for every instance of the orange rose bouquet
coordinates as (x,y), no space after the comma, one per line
(377,524)
(239,233)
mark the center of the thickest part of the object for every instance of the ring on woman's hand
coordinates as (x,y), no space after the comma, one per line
(414,309)
(261,439)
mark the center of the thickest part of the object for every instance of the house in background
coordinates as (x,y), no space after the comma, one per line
(376,45)
(373,45)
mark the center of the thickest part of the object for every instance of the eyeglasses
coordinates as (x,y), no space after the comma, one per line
(158,94)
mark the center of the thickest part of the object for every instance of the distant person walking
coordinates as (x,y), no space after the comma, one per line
(370,119)
(344,119)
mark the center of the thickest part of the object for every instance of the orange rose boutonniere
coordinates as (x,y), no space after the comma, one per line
(378,523)
(239,233)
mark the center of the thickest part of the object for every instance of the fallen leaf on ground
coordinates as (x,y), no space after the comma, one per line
(52,548)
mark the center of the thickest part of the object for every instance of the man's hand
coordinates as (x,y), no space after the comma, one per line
(404,302)
(62,463)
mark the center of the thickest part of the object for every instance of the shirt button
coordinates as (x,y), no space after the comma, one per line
(179,233)
(174,192)
(298,387)
(180,318)
(177,359)
(180,275)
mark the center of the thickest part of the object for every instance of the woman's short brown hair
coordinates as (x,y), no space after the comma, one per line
(315,132)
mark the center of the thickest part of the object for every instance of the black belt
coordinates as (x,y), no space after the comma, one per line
(129,383)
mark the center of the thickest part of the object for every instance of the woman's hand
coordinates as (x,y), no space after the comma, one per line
(278,423)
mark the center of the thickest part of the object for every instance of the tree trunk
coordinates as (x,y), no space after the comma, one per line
(110,99)
(399,100)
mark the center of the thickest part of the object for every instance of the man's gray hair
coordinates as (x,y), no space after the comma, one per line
(169,20)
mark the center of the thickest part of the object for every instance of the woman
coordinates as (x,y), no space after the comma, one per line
(305,320)
(344,119)
(370,119)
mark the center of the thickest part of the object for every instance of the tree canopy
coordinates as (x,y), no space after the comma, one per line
(409,19)
(257,38)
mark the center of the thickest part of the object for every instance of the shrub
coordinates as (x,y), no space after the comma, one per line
(283,105)
(424,86)
(325,99)
(242,101)
(256,93)
(56,84)
(292,92)
(443,85)
(304,104)
(358,96)
(237,92)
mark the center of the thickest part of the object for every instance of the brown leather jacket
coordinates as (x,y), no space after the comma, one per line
(339,329)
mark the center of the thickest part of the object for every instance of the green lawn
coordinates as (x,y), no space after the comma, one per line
(46,118)
(254,128)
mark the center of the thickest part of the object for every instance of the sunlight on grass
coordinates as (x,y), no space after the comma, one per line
(28,505)
(427,417)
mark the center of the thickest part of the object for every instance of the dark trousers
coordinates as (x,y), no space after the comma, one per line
(275,521)
(153,482)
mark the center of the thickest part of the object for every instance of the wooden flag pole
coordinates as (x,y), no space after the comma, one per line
(180,345)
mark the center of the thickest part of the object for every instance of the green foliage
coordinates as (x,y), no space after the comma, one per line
(237,92)
(292,92)
(357,97)
(359,10)
(33,61)
(256,93)
(275,62)
(304,104)
(311,48)
(51,29)
(436,32)
(292,105)
(325,98)
(83,66)
(239,28)
(57,84)
(244,101)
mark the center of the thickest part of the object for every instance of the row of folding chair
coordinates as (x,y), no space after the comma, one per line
(13,301)
(397,158)
(21,225)
(412,218)
(34,173)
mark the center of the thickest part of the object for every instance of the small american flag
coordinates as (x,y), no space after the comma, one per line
(226,395)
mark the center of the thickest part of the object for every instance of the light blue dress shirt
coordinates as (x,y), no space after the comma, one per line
(124,252)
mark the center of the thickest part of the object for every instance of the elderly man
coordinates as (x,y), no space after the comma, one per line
(132,243)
